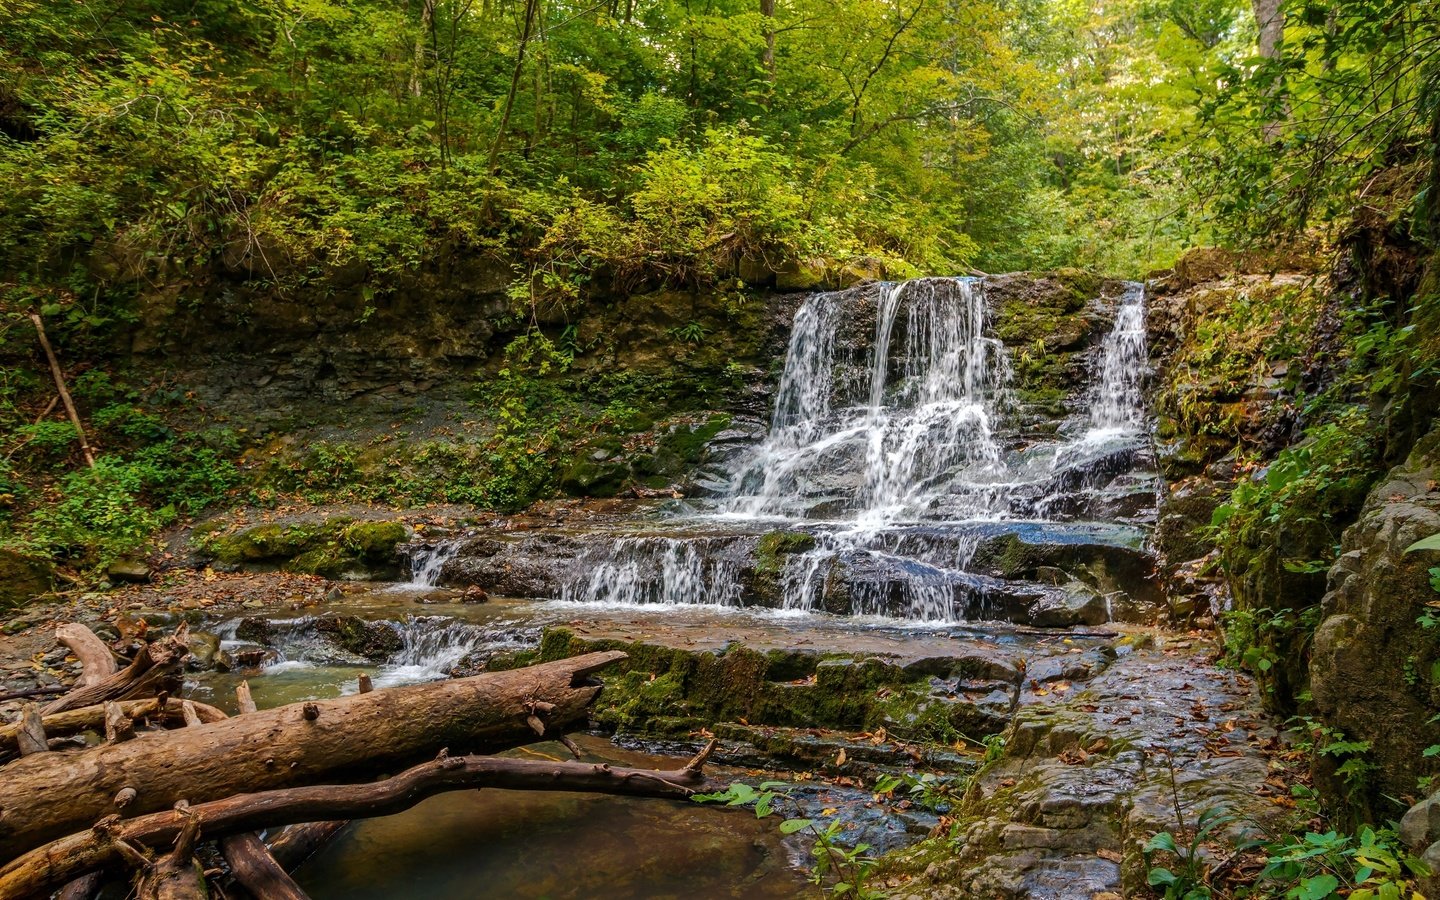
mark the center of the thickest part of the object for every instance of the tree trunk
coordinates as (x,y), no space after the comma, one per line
(767,9)
(61,861)
(49,796)
(530,10)
(1270,22)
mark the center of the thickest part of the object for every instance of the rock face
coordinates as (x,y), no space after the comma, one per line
(1226,331)
(1374,671)
(1086,778)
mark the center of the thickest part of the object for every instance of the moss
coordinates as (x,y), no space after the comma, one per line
(775,545)
(373,640)
(374,539)
(588,478)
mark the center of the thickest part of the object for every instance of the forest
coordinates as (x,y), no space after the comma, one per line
(911,400)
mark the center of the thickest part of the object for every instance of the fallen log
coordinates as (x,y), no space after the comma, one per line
(97,663)
(155,670)
(253,866)
(46,868)
(92,718)
(51,795)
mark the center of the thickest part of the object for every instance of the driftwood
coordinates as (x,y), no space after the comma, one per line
(253,866)
(49,796)
(154,671)
(176,875)
(97,663)
(32,692)
(92,718)
(45,868)
(30,736)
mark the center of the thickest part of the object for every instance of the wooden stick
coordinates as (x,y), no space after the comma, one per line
(297,843)
(155,670)
(58,862)
(118,726)
(49,408)
(177,875)
(33,692)
(96,661)
(64,393)
(31,736)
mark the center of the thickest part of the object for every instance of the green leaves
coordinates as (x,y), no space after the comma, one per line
(1430,543)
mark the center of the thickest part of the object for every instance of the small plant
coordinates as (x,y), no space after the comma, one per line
(849,867)
(1183,878)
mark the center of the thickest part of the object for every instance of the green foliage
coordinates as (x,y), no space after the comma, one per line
(1371,864)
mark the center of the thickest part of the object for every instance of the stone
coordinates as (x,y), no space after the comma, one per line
(129,570)
(1073,604)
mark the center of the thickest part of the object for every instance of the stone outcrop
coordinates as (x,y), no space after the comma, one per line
(1374,670)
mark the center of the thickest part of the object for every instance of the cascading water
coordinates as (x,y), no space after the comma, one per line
(891,441)
(636,571)
(1118,400)
(427,561)
(926,417)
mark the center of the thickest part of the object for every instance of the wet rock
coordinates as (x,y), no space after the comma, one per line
(375,641)
(130,570)
(204,647)
(473,594)
(1073,604)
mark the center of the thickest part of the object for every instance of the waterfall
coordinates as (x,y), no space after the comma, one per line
(896,439)
(927,419)
(427,561)
(636,571)
(1118,399)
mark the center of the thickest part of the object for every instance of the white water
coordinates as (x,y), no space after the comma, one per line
(928,417)
(637,571)
(427,564)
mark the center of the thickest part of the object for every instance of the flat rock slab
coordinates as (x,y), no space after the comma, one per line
(1090,775)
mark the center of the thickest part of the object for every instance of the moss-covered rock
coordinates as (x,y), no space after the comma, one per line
(374,539)
(329,547)
(770,553)
(23,577)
